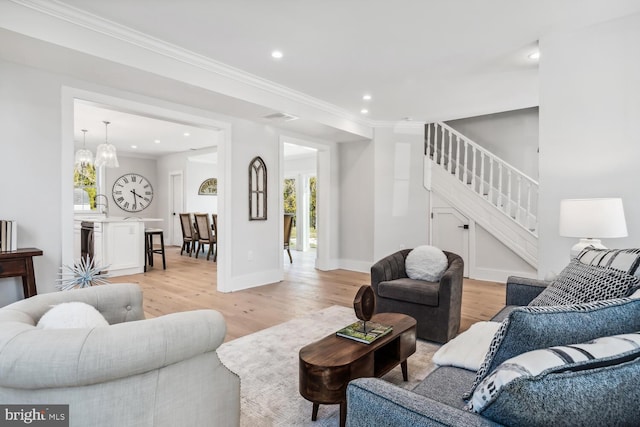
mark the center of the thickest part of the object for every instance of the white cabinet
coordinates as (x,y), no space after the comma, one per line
(118,243)
(123,244)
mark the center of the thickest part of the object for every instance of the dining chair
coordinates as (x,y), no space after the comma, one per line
(214,227)
(288,223)
(189,236)
(205,233)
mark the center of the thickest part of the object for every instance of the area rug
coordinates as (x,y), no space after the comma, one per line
(267,363)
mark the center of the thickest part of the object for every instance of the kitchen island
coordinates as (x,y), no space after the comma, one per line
(116,243)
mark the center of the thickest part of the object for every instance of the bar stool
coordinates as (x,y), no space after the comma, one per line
(148,247)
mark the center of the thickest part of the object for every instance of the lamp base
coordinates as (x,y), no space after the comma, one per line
(584,243)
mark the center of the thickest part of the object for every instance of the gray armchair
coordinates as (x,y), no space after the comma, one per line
(158,372)
(434,305)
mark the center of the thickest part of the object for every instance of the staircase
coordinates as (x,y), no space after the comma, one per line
(499,197)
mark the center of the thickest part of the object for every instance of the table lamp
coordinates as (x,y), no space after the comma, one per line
(591,219)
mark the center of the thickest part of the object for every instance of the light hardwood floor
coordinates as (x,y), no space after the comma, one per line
(190,284)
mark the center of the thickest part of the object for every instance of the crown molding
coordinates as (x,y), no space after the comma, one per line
(81,18)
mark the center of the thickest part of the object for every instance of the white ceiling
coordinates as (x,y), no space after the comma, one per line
(420,59)
(126,130)
(417,58)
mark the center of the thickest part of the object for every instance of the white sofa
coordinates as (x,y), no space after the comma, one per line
(157,372)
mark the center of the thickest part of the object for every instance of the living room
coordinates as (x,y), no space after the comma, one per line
(585,86)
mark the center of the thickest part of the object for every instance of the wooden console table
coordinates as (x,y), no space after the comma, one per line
(20,263)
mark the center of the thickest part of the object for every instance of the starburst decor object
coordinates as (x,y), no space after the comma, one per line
(82,275)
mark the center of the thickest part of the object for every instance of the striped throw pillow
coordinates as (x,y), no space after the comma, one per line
(535,365)
(623,260)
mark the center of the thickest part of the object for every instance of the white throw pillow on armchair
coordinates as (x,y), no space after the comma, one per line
(426,263)
(70,315)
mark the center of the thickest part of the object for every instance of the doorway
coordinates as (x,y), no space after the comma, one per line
(299,184)
(177,206)
(69,97)
(451,233)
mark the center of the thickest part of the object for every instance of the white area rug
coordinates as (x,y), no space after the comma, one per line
(267,363)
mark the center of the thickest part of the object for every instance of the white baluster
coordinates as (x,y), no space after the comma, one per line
(500,196)
(449,154)
(519,202)
(473,168)
(509,203)
(491,179)
(528,222)
(457,157)
(481,192)
(465,171)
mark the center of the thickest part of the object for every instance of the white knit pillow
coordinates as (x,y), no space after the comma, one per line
(426,263)
(70,315)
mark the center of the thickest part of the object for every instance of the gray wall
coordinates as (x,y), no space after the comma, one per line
(589,128)
(512,136)
(401,202)
(30,112)
(356,202)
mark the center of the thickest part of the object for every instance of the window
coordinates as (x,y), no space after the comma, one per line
(85,188)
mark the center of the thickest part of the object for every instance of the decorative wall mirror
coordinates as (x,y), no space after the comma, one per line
(257,189)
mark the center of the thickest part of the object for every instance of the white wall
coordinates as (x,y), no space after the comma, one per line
(589,128)
(296,165)
(356,205)
(494,261)
(196,174)
(401,205)
(511,135)
(30,150)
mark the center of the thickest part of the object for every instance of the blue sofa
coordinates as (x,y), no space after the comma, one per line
(587,395)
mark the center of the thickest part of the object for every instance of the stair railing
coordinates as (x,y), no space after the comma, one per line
(508,189)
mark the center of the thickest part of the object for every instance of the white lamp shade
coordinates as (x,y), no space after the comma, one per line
(84,158)
(592,218)
(106,155)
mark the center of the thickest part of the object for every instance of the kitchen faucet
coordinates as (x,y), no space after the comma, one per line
(105,205)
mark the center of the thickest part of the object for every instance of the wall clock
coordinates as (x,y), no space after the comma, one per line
(209,187)
(132,192)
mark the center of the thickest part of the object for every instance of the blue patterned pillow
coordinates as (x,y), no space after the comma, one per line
(534,365)
(583,392)
(532,328)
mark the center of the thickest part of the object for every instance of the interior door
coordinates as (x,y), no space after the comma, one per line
(177,206)
(451,233)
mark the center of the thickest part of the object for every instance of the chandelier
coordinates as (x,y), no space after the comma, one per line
(84,157)
(106,153)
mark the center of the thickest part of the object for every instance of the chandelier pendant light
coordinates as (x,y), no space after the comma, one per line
(106,153)
(84,157)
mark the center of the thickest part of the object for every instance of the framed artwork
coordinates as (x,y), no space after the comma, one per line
(209,187)
(257,189)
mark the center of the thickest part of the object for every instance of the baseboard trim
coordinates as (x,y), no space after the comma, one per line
(255,279)
(355,265)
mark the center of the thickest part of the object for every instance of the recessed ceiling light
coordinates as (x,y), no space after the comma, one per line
(134,146)
(364,111)
(157,141)
(186,134)
(535,55)
(276,54)
(366,97)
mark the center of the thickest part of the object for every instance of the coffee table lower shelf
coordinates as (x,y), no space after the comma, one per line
(327,366)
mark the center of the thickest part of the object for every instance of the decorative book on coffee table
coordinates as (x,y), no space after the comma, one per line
(364,332)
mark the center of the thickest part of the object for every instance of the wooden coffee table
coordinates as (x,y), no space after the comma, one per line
(327,366)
